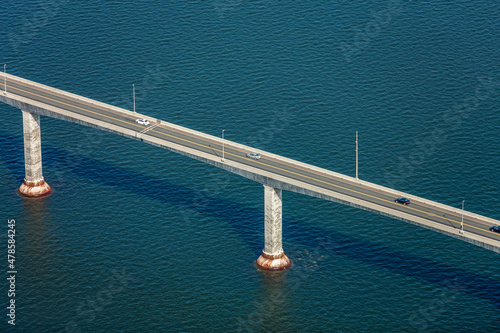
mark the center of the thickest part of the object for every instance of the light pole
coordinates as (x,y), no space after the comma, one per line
(356,154)
(5,76)
(462,223)
(223,144)
(133,93)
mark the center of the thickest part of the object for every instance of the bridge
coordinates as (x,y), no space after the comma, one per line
(276,173)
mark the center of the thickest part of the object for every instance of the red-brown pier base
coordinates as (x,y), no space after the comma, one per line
(35,189)
(273,262)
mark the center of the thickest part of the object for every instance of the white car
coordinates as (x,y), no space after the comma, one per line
(144,122)
(255,156)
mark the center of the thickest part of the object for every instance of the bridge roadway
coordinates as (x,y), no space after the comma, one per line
(272,170)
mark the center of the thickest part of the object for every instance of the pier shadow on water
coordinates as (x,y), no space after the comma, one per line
(249,225)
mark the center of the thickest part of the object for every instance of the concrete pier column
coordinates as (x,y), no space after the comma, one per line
(273,258)
(34,185)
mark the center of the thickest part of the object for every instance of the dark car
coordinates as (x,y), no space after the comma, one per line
(495,229)
(403,201)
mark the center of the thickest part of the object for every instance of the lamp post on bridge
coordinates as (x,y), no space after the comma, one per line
(356,154)
(133,93)
(5,76)
(223,144)
(462,223)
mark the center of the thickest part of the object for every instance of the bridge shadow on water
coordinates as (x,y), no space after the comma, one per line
(249,224)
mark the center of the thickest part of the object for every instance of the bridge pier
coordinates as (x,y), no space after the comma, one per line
(34,185)
(273,258)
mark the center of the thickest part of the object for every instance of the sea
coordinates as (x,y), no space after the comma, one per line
(135,238)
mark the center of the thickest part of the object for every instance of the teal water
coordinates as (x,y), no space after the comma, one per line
(139,239)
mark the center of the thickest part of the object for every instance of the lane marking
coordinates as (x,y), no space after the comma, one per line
(243,158)
(149,128)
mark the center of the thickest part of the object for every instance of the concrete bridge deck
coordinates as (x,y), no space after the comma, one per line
(271,170)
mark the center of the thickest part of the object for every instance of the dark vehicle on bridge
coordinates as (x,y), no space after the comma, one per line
(495,228)
(403,201)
